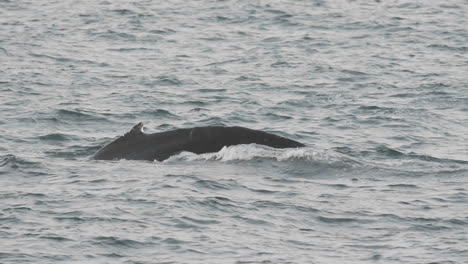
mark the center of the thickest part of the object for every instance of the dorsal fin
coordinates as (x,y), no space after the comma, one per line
(135,131)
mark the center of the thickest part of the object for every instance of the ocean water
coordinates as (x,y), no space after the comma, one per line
(377,90)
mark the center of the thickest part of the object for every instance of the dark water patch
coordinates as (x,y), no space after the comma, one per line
(19,208)
(354,73)
(173,241)
(403,186)
(206,90)
(57,137)
(295,103)
(404,29)
(217,203)
(434,159)
(69,60)
(442,47)
(224,62)
(117,76)
(443,94)
(283,180)
(352,76)
(113,255)
(77,115)
(271,39)
(79,217)
(140,201)
(74,219)
(33,195)
(9,220)
(159,113)
(438,199)
(262,191)
(383,120)
(129,50)
(201,221)
(218,38)
(244,78)
(337,186)
(450,6)
(269,204)
(388,152)
(306,209)
(182,176)
(345,150)
(337,220)
(459,222)
(405,95)
(281,64)
(74,151)
(17,257)
(409,6)
(458,197)
(114,35)
(213,185)
(287,21)
(429,228)
(165,31)
(56,238)
(276,12)
(199,103)
(212,121)
(376,109)
(13,164)
(123,11)
(284,206)
(112,241)
(239,119)
(218,71)
(222,19)
(253,221)
(425,223)
(4,51)
(97,181)
(277,117)
(166,81)
(8,160)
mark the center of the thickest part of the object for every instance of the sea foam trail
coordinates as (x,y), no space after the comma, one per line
(247,152)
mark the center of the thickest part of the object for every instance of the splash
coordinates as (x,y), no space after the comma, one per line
(254,151)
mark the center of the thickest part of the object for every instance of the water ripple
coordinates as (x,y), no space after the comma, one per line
(376,89)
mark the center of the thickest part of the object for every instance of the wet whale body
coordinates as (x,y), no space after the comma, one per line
(137,145)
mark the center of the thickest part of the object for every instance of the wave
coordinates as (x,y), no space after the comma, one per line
(12,164)
(8,160)
(391,159)
(78,115)
(12,161)
(73,152)
(313,161)
(249,152)
(57,137)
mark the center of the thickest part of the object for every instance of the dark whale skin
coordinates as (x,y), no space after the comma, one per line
(137,145)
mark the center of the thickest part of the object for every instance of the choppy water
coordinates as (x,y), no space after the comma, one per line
(378,90)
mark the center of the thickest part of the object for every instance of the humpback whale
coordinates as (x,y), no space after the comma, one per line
(137,145)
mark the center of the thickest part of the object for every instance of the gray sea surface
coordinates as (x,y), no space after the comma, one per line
(377,90)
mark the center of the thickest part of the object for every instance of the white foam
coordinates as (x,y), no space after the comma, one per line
(254,151)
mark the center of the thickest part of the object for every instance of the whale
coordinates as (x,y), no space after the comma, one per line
(138,145)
